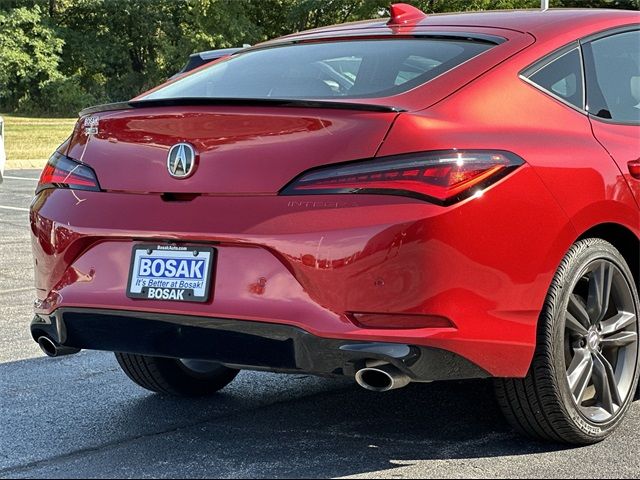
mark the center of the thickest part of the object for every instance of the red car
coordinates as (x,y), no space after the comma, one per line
(406,200)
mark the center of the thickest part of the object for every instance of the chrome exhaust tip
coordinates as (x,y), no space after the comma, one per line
(52,349)
(381,378)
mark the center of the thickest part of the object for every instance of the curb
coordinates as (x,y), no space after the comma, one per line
(25,164)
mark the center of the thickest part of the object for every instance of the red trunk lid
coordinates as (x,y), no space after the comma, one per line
(241,150)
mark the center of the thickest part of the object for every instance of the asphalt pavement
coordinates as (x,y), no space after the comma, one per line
(80,417)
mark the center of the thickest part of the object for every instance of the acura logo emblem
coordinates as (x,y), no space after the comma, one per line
(181,161)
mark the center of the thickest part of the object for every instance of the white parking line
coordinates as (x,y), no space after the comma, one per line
(20,178)
(17,290)
(17,209)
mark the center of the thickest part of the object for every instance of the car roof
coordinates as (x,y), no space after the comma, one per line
(530,34)
(537,31)
(541,24)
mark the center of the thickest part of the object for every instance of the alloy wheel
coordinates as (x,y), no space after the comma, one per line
(601,341)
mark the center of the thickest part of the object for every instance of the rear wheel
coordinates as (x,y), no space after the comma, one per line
(188,378)
(584,373)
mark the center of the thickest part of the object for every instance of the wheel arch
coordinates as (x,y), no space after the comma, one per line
(621,237)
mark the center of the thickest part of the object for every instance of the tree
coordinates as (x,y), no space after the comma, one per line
(119,48)
(29,54)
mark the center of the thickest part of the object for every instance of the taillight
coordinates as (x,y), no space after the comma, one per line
(62,172)
(442,177)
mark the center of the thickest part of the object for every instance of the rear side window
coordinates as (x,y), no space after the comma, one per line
(613,77)
(339,69)
(562,78)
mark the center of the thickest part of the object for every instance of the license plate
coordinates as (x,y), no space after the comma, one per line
(170,272)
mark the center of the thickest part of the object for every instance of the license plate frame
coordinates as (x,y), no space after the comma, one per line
(167,288)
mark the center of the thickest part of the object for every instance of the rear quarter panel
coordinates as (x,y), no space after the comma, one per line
(580,184)
(501,111)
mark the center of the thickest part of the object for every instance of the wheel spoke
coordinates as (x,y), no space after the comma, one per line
(620,339)
(574,325)
(600,340)
(600,283)
(618,322)
(578,311)
(580,372)
(604,381)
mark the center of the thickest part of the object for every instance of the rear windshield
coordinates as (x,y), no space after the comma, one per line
(340,69)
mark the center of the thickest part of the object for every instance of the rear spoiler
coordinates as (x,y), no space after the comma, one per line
(238,102)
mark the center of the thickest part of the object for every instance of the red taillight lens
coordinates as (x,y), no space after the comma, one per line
(443,177)
(62,172)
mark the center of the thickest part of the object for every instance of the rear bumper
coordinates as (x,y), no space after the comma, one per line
(242,344)
(320,263)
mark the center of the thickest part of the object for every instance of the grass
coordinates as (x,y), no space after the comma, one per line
(34,138)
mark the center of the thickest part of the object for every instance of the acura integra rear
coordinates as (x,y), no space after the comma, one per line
(381,200)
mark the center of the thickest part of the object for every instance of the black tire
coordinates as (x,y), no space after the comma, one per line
(543,405)
(172,376)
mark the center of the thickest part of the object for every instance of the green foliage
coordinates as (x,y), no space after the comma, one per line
(58,56)
(29,55)
(64,95)
(130,45)
(626,4)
